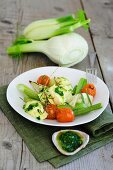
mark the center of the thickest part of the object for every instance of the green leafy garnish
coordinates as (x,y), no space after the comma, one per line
(30,107)
(82,82)
(59,91)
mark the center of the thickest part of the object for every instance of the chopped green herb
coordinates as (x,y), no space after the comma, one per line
(59,91)
(24,106)
(38,117)
(30,107)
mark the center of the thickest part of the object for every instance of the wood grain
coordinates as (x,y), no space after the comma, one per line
(10,141)
(102,34)
(14,16)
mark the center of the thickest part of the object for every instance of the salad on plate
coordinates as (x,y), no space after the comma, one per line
(55,98)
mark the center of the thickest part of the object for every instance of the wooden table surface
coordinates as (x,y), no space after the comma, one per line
(14,16)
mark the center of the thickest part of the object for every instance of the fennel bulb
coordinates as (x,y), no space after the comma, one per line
(67,50)
(64,50)
(44,29)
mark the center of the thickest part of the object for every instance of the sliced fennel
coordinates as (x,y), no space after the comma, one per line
(27,91)
(78,98)
(62,82)
(57,98)
(35,109)
(65,50)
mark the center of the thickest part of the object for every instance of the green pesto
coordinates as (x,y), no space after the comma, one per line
(69,140)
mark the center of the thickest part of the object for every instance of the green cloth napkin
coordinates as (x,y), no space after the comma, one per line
(38,137)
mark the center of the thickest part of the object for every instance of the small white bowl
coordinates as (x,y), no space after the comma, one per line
(85,138)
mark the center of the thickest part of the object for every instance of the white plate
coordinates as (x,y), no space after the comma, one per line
(13,95)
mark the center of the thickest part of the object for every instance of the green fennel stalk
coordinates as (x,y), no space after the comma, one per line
(82,82)
(82,111)
(27,91)
(44,29)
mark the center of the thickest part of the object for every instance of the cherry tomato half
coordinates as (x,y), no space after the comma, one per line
(44,80)
(90,89)
(64,115)
(51,110)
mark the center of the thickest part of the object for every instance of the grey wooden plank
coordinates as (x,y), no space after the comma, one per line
(10,141)
(101,14)
(100,159)
(10,145)
(10,68)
